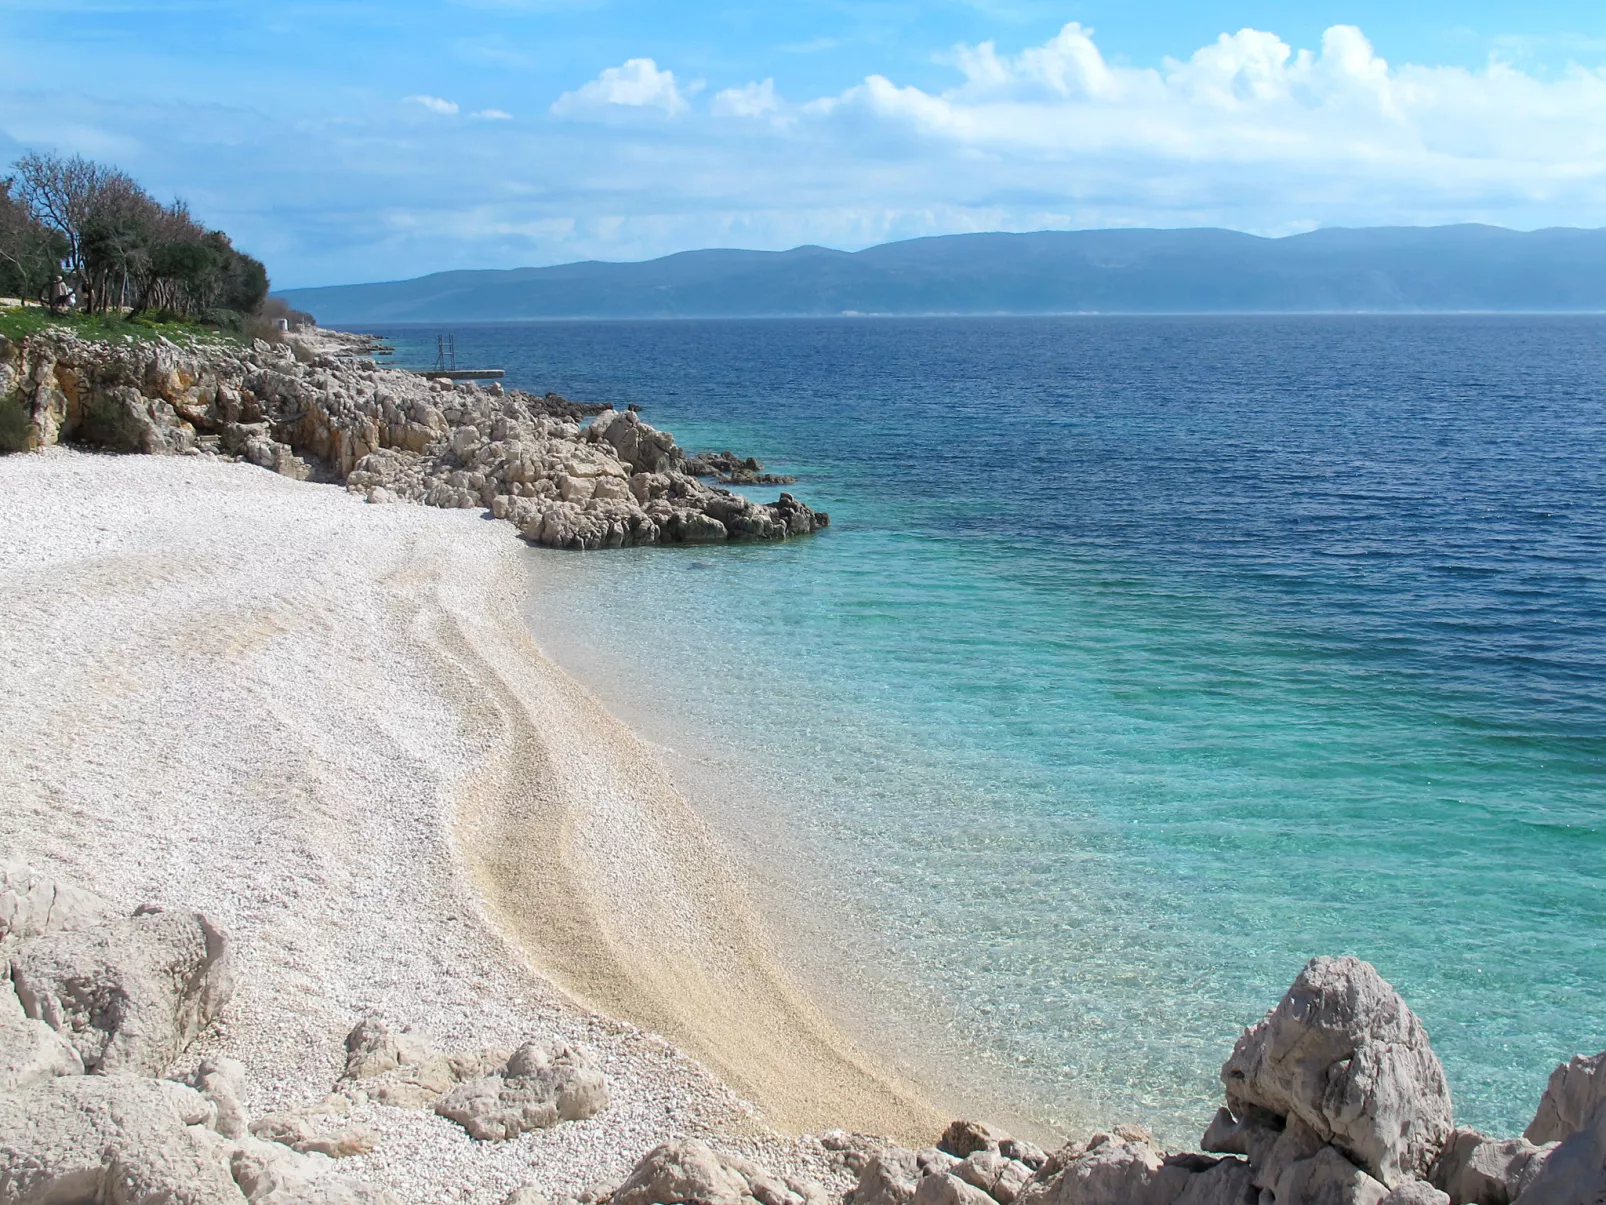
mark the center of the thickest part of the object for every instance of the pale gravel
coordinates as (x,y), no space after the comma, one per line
(221,691)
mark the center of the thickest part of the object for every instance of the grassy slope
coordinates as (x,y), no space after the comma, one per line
(17,322)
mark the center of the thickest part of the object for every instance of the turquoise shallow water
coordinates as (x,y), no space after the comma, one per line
(1146,658)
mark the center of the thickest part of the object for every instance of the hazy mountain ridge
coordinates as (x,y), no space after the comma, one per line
(1453,268)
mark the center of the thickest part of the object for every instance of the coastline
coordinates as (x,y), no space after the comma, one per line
(317,720)
(420,843)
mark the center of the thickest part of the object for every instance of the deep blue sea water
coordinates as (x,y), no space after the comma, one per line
(1146,658)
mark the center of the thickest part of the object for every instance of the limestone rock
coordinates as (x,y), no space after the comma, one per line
(1000,1178)
(404,1069)
(689,1171)
(1344,1055)
(222,1082)
(130,994)
(1230,1182)
(388,436)
(538,1087)
(943,1188)
(1475,1170)
(33,903)
(1574,1091)
(1327,1178)
(853,1150)
(1122,1167)
(889,1178)
(1573,1172)
(271,1174)
(113,1139)
(30,1051)
(963,1138)
(684,1171)
(1416,1192)
(297,1132)
(1021,1151)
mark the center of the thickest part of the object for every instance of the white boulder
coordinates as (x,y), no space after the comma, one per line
(1574,1091)
(130,994)
(1344,1055)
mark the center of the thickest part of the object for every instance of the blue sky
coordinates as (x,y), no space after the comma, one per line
(359,141)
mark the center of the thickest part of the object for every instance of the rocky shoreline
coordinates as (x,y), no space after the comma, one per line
(1335,1098)
(314,409)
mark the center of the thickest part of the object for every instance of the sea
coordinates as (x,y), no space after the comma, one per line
(1145,658)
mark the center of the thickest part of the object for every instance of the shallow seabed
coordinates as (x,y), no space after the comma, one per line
(1144,659)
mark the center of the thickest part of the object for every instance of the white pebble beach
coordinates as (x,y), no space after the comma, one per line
(322,723)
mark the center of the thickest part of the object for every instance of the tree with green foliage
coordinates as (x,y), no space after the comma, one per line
(122,247)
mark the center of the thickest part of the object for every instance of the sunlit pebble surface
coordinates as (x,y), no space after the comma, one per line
(136,765)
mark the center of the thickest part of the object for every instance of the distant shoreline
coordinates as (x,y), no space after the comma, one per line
(1404,270)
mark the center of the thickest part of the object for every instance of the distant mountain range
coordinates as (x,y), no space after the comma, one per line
(1437,268)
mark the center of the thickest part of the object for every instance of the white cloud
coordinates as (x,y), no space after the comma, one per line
(494,115)
(435,104)
(637,84)
(750,100)
(1249,98)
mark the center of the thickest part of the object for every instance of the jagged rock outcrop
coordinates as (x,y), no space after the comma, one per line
(1126,1167)
(388,435)
(403,1068)
(127,994)
(1576,1089)
(727,468)
(972,1163)
(1573,1172)
(1343,1057)
(1475,1170)
(30,1051)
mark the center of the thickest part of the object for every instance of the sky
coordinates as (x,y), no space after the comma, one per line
(354,141)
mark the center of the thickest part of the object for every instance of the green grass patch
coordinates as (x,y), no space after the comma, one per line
(17,322)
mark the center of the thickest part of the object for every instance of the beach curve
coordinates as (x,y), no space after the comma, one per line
(595,865)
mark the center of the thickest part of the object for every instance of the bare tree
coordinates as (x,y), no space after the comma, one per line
(60,194)
(30,254)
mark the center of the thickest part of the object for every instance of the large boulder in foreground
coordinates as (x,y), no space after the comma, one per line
(130,994)
(110,1139)
(127,1140)
(1343,1055)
